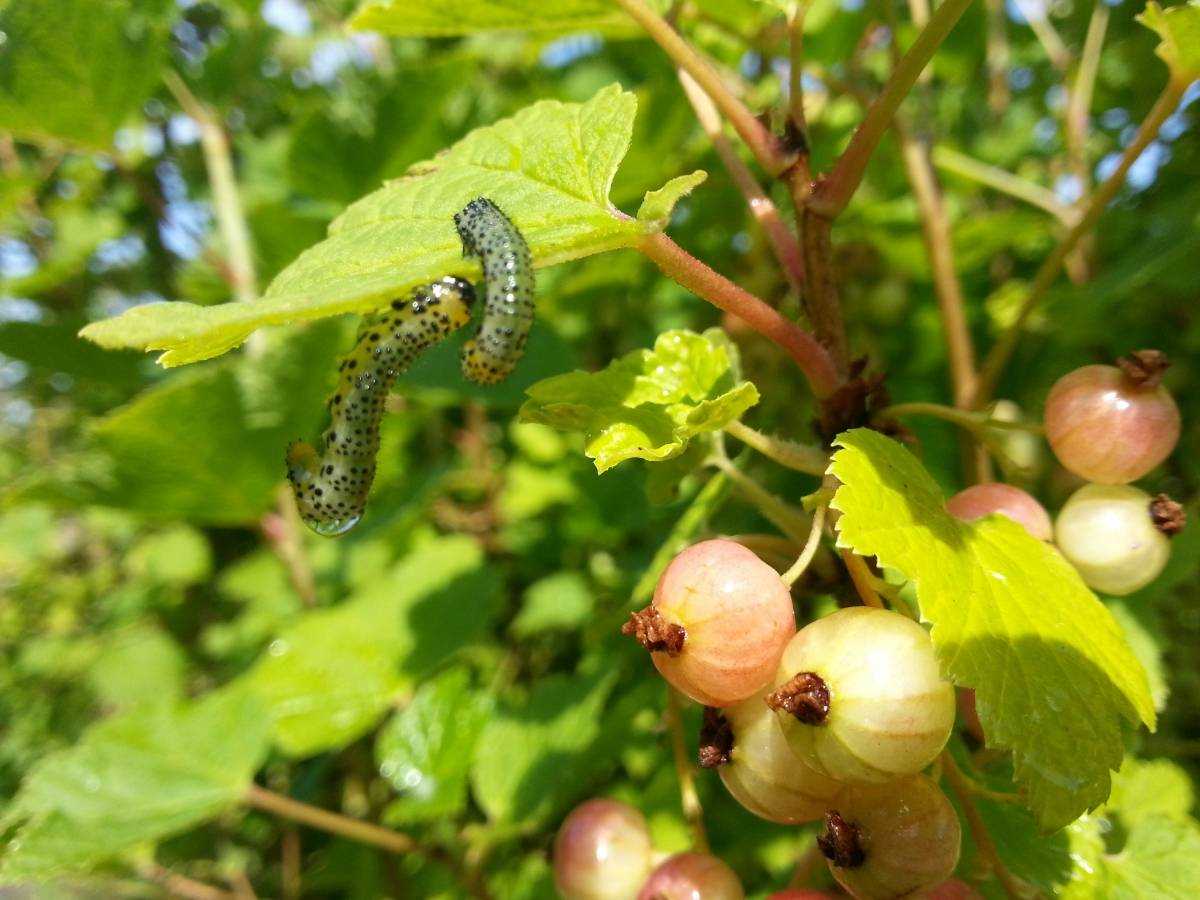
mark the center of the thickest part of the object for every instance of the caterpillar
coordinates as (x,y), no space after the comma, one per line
(487,233)
(331,487)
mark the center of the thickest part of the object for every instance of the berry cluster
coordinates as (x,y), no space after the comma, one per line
(836,723)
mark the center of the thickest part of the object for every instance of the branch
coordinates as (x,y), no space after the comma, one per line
(779,512)
(836,189)
(1079,102)
(862,578)
(801,457)
(1052,266)
(688,798)
(1046,34)
(766,149)
(284,533)
(1005,182)
(180,885)
(783,242)
(324,820)
(231,219)
(984,844)
(680,266)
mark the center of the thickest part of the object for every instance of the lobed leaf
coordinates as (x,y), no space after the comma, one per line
(454,17)
(135,778)
(1178,29)
(1052,673)
(549,168)
(649,403)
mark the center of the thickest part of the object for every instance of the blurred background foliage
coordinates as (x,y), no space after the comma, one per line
(452,667)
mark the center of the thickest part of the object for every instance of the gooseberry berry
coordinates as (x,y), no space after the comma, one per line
(692,876)
(602,852)
(1113,424)
(891,840)
(718,622)
(860,697)
(746,745)
(1116,536)
(981,500)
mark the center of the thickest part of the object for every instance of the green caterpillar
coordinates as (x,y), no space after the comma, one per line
(331,487)
(487,233)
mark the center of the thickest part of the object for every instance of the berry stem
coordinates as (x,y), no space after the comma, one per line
(786,517)
(860,574)
(680,266)
(977,422)
(984,844)
(810,548)
(790,454)
(689,800)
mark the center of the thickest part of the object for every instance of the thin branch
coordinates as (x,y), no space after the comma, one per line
(999,94)
(795,21)
(860,574)
(688,798)
(680,266)
(334,823)
(1079,103)
(231,218)
(779,512)
(1056,50)
(180,885)
(984,844)
(799,567)
(975,421)
(801,457)
(1005,182)
(284,533)
(783,243)
(766,149)
(836,189)
(1052,266)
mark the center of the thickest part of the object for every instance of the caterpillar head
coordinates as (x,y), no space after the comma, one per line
(310,490)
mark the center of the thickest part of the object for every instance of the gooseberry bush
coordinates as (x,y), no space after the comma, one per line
(824,533)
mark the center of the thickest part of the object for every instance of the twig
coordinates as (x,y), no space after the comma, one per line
(283,531)
(1079,102)
(688,798)
(1005,182)
(836,189)
(290,857)
(795,22)
(1097,203)
(861,576)
(334,823)
(984,844)
(975,420)
(679,265)
(231,219)
(766,149)
(810,548)
(783,515)
(1047,35)
(997,57)
(783,242)
(180,885)
(801,457)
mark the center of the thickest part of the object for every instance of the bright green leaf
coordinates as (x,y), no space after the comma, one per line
(452,17)
(559,601)
(549,168)
(135,778)
(425,750)
(649,403)
(327,679)
(526,750)
(178,555)
(1160,859)
(657,206)
(75,70)
(1147,788)
(1137,626)
(138,665)
(1052,673)
(1178,29)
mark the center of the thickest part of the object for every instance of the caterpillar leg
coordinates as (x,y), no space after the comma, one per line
(331,486)
(487,233)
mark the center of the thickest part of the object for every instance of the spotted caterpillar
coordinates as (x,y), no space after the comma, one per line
(331,488)
(486,232)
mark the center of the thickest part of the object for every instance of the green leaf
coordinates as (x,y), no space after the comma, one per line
(649,403)
(1160,859)
(657,206)
(1138,628)
(1178,29)
(135,778)
(327,679)
(1052,673)
(139,665)
(549,168)
(75,70)
(425,751)
(453,17)
(561,601)
(1148,788)
(526,749)
(178,555)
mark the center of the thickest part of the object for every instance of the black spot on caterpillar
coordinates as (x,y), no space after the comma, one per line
(486,232)
(331,488)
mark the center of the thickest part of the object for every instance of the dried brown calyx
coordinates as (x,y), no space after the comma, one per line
(1169,516)
(841,842)
(806,696)
(1144,367)
(716,739)
(652,631)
